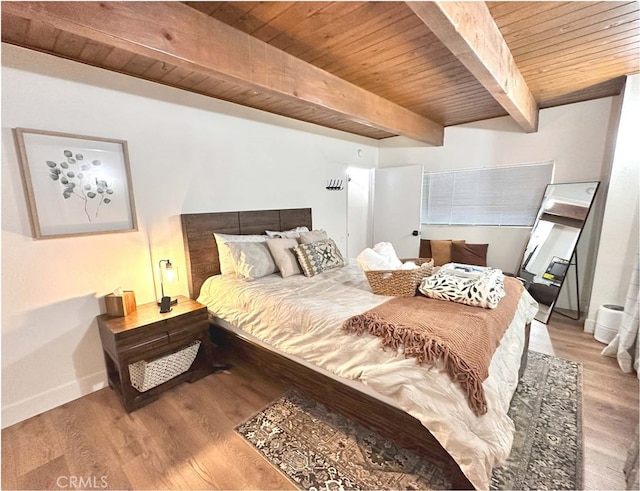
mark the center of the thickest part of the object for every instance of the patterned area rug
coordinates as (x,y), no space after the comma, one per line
(320,450)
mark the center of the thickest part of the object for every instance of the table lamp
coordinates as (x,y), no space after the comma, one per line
(166,302)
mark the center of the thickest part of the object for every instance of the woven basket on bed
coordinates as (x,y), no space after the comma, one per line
(400,282)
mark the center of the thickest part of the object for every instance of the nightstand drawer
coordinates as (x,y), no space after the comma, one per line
(187,331)
(144,344)
(163,327)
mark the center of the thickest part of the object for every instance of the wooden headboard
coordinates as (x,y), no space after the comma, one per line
(201,250)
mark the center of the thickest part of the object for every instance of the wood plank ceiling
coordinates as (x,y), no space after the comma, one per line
(377,69)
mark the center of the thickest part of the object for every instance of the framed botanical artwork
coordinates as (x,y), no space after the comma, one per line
(75,184)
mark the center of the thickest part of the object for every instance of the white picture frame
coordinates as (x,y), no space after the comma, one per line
(75,184)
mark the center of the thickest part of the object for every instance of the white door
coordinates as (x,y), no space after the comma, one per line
(397,202)
(358,210)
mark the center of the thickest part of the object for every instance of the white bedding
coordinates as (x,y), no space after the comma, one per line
(302,317)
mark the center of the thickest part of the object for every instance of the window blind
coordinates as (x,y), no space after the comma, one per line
(497,196)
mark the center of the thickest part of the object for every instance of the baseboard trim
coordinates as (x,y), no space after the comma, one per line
(589,325)
(32,406)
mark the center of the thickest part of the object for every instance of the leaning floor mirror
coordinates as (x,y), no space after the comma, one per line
(551,250)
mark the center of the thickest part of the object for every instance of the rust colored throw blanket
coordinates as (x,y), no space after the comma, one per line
(463,337)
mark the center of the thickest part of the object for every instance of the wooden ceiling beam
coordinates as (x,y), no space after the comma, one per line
(178,35)
(468,30)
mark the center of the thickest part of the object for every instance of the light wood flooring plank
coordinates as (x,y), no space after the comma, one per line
(8,461)
(53,474)
(85,451)
(44,444)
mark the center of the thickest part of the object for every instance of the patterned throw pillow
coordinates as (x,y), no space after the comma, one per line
(316,257)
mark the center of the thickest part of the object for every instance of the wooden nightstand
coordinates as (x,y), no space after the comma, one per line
(148,335)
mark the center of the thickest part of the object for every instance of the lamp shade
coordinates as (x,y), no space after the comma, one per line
(168,273)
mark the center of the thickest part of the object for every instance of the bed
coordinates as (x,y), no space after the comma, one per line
(379,388)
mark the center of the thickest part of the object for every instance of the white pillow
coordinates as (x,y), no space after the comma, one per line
(294,233)
(224,254)
(313,236)
(285,259)
(251,259)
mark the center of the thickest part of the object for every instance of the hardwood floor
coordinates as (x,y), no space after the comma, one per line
(185,440)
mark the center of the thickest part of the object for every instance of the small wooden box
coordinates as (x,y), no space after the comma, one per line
(119,306)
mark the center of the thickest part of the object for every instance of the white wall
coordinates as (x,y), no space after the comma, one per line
(620,235)
(188,153)
(578,137)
